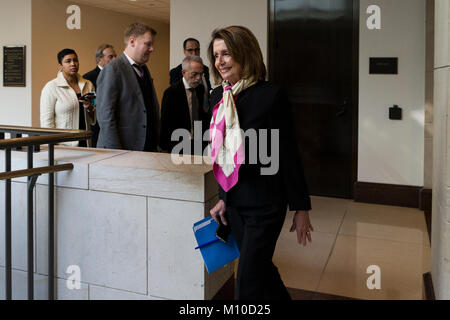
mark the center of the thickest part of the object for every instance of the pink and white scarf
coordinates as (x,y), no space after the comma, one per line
(227,147)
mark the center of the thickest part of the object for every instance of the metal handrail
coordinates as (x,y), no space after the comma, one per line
(47,135)
(22,129)
(37,140)
(37,137)
(35,171)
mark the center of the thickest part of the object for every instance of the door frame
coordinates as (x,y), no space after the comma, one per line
(355,77)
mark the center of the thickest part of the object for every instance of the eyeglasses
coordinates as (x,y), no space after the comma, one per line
(193,50)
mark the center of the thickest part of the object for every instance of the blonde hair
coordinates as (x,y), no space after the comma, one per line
(137,29)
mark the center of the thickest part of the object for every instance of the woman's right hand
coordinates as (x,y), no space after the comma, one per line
(87,103)
(218,212)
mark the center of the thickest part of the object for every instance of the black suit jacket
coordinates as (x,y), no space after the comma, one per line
(92,76)
(265,106)
(176,75)
(175,113)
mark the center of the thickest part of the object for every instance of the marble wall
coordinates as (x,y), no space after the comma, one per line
(440,237)
(429,84)
(124,218)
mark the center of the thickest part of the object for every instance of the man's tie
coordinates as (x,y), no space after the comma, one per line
(139,70)
(194,104)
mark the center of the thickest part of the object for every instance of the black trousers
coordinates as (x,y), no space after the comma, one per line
(256,231)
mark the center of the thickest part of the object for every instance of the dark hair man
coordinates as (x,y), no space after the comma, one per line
(191,46)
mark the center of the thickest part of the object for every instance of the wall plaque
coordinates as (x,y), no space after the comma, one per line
(14,66)
(383,66)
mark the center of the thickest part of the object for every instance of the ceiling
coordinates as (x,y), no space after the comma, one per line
(151,9)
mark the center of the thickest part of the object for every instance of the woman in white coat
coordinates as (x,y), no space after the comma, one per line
(62,102)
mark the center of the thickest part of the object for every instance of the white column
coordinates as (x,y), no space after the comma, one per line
(440,240)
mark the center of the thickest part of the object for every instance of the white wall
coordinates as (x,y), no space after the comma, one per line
(198,18)
(15,29)
(389,151)
(440,219)
(392,151)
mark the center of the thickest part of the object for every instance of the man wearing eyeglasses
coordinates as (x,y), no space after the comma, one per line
(191,47)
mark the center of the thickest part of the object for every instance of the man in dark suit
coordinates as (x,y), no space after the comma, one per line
(127,106)
(104,55)
(191,47)
(182,108)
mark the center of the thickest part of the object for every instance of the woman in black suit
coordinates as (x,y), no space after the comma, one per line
(253,195)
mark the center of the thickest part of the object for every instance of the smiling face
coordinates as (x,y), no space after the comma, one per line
(139,48)
(224,63)
(70,65)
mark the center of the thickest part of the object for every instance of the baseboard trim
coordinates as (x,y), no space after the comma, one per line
(428,287)
(387,194)
(426,201)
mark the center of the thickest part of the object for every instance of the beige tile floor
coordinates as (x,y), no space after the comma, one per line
(348,238)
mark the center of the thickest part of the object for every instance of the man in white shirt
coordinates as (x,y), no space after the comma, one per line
(127,106)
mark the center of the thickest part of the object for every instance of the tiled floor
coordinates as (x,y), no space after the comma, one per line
(348,238)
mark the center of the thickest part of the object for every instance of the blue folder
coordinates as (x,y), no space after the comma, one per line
(215,252)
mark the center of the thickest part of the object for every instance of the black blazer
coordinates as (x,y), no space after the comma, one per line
(176,75)
(175,113)
(265,106)
(92,76)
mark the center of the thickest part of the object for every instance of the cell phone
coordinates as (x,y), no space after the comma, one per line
(89,95)
(223,231)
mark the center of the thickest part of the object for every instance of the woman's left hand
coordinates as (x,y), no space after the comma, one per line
(303,226)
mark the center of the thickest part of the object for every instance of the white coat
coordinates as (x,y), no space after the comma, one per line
(60,105)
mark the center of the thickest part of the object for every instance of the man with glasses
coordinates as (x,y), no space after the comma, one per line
(191,47)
